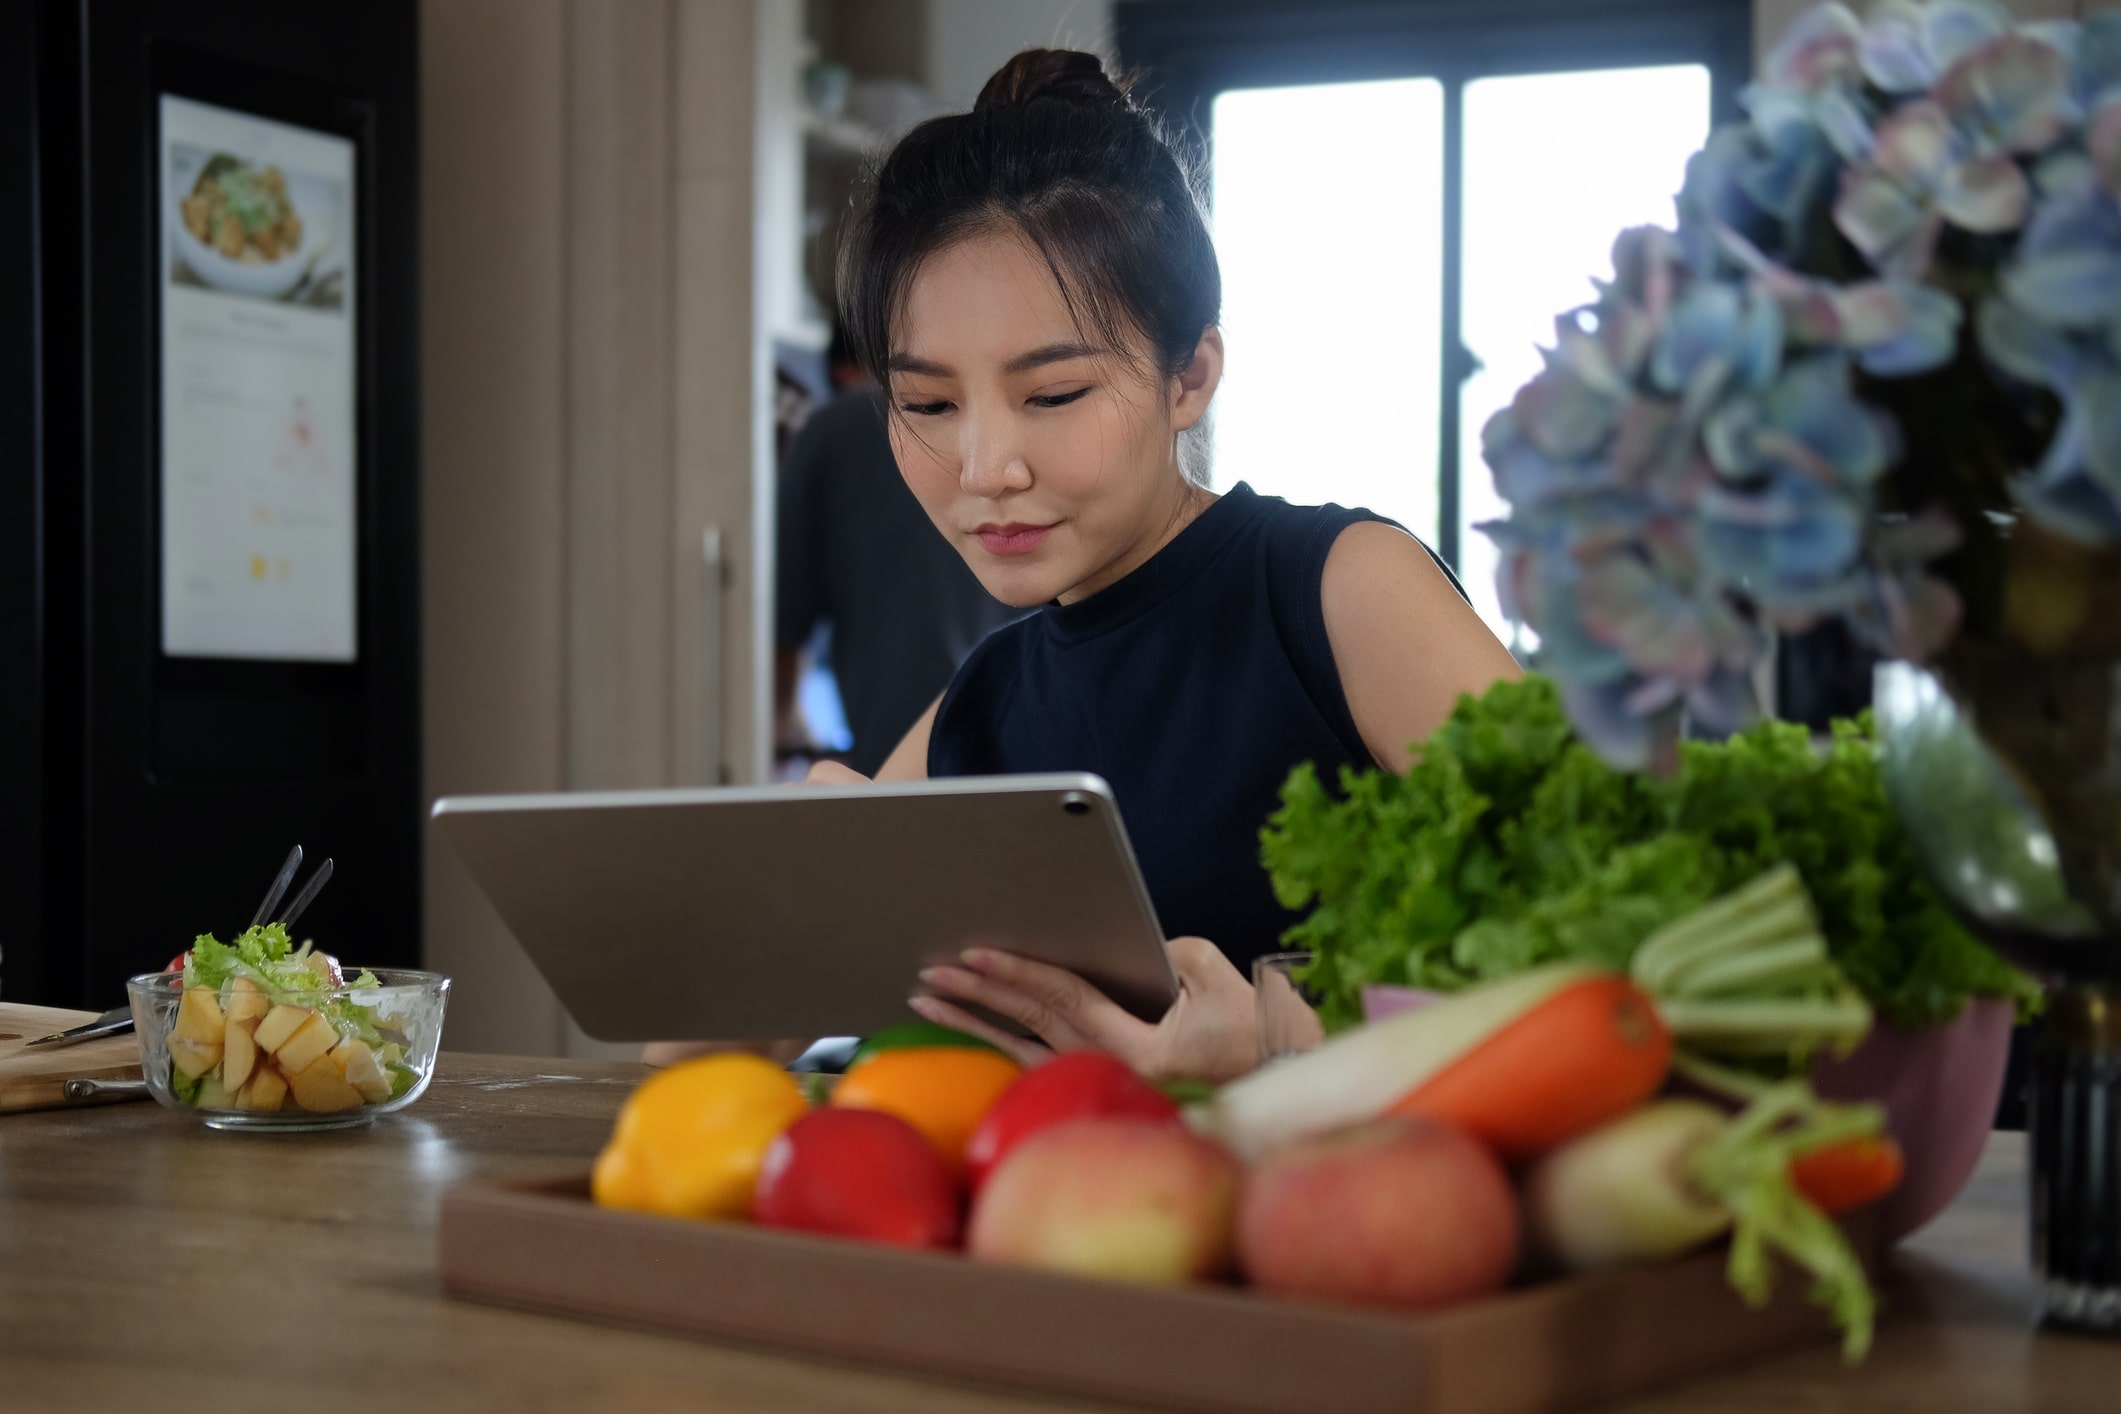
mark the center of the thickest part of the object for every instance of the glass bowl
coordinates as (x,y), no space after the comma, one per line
(332,1058)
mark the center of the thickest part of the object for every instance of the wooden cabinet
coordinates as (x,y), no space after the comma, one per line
(599,198)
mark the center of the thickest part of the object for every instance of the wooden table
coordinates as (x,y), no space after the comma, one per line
(149,1263)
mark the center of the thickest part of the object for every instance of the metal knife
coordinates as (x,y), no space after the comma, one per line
(109,1024)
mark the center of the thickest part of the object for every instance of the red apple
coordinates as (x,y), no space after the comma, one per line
(1077,1085)
(1399,1212)
(1132,1199)
(858,1173)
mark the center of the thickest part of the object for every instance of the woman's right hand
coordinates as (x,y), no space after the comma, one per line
(1211,1032)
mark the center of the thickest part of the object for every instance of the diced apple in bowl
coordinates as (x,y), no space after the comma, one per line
(359,1067)
(267,1091)
(263,1056)
(239,1053)
(246,1001)
(307,1045)
(280,1023)
(195,1041)
(245,1052)
(321,1089)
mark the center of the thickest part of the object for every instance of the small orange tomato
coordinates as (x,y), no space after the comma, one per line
(1843,1177)
(942,1091)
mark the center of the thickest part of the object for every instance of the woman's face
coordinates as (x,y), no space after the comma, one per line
(1049,462)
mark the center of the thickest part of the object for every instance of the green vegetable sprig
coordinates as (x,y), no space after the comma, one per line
(1510,843)
(1747,1169)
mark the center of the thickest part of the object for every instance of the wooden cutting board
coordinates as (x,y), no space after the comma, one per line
(1216,1349)
(36,1079)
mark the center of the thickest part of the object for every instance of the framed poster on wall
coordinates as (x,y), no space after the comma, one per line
(260,393)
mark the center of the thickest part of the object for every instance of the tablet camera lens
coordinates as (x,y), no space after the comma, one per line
(1075,805)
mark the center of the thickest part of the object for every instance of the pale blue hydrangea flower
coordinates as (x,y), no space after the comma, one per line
(1952,157)
(1696,464)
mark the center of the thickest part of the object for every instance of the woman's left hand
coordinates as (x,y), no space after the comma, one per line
(1211,1032)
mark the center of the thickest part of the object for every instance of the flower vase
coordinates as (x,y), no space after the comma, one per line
(2005,770)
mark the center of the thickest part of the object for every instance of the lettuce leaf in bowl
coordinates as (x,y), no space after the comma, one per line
(1511,843)
(268,957)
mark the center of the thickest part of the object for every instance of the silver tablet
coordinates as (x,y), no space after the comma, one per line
(758,913)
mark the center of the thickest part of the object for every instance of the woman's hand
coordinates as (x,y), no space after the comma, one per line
(1210,1033)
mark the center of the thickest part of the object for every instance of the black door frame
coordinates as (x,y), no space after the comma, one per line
(1187,51)
(148,798)
(22,599)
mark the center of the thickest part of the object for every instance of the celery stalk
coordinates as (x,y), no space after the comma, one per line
(1737,940)
(1774,964)
(1749,974)
(1832,1019)
(1720,1079)
(1776,894)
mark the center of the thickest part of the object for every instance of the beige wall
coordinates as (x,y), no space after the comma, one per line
(594,401)
(494,367)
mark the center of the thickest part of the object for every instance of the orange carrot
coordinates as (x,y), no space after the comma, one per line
(1841,1177)
(1586,1055)
(1361,1073)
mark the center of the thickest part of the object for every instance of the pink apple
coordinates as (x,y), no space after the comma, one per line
(1132,1199)
(1399,1212)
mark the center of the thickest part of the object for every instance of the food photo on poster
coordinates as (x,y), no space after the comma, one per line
(258,397)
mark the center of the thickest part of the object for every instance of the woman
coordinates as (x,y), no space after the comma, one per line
(1034,284)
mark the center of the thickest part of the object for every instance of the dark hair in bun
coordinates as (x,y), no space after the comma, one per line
(1060,153)
(1068,75)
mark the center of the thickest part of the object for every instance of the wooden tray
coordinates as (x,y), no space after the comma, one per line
(547,1247)
(36,1079)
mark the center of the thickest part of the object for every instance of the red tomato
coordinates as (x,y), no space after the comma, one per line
(1077,1085)
(858,1173)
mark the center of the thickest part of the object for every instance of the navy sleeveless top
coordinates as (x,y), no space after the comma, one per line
(1193,686)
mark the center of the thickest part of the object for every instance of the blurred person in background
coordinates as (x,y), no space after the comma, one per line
(858,557)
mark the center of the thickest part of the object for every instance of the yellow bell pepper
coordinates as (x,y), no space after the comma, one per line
(689,1141)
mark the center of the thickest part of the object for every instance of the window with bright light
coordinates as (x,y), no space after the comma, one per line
(1556,166)
(1329,206)
(1328,224)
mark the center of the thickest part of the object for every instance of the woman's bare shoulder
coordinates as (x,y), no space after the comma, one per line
(1405,641)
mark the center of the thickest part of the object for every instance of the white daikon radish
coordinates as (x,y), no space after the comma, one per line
(1677,1173)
